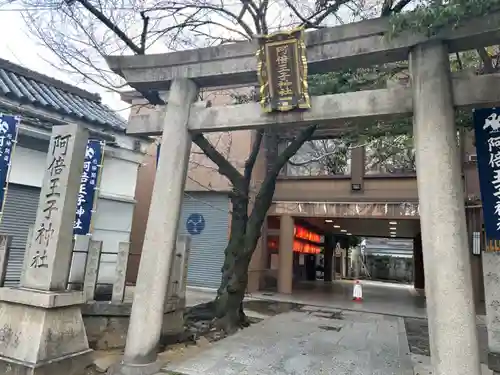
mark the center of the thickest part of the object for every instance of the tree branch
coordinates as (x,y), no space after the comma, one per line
(386,8)
(264,197)
(327,11)
(110,25)
(305,22)
(488,67)
(225,167)
(285,156)
(313,160)
(398,8)
(144,33)
(227,12)
(252,158)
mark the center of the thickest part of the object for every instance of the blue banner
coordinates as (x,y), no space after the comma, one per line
(487,130)
(88,187)
(8,134)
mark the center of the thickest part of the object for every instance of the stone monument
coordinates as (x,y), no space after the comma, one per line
(41,326)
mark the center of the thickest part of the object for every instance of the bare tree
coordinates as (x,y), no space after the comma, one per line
(320,157)
(81,32)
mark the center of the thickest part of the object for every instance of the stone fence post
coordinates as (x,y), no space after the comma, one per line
(120,272)
(92,269)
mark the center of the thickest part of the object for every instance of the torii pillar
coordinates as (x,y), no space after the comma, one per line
(146,320)
(448,287)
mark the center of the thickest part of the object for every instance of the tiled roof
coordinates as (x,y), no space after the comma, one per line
(26,86)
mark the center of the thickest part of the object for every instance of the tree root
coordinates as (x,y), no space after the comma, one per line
(203,311)
(206,314)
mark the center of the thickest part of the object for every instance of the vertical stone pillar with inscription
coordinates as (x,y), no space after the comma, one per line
(44,321)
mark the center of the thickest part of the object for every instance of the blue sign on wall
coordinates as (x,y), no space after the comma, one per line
(88,185)
(8,135)
(195,224)
(487,130)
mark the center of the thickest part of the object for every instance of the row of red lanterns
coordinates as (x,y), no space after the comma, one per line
(304,234)
(305,248)
(298,247)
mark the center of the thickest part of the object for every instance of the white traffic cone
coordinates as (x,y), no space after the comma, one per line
(357,292)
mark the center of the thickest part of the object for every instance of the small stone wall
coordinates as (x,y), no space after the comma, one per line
(390,268)
(107,323)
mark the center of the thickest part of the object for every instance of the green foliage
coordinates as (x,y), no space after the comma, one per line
(372,78)
(391,154)
(432,16)
(345,81)
(349,80)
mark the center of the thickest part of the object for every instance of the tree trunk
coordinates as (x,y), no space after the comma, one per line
(243,239)
(245,230)
(235,269)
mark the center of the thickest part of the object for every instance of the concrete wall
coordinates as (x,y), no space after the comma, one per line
(338,189)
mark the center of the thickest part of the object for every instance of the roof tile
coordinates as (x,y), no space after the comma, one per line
(24,85)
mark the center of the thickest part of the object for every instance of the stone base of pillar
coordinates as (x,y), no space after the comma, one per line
(420,292)
(253,284)
(42,333)
(131,369)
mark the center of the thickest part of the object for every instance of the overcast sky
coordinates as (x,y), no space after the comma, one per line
(20,48)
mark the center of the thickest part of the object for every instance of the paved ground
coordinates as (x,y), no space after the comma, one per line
(369,339)
(417,331)
(422,366)
(378,297)
(312,341)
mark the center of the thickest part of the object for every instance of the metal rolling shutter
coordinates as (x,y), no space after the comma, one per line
(19,214)
(207,248)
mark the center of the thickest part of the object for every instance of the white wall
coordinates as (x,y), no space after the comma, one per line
(119,178)
(28,167)
(112,225)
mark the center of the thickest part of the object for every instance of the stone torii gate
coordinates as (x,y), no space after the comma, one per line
(432,97)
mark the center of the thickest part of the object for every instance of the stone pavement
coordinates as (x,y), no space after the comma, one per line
(422,366)
(310,341)
(378,297)
(417,332)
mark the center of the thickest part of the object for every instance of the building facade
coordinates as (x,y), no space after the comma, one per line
(355,191)
(43,102)
(206,204)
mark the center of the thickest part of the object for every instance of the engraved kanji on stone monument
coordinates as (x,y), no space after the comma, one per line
(48,259)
